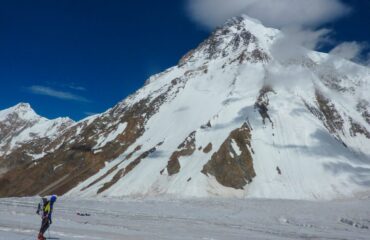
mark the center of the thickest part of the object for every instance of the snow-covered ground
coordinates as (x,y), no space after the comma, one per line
(133,219)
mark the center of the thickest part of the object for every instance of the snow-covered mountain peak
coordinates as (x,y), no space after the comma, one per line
(254,26)
(24,134)
(22,111)
(242,37)
(23,106)
(65,120)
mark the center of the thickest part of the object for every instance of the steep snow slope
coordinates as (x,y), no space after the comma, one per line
(201,129)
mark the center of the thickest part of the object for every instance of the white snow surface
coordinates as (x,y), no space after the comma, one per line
(171,219)
(103,140)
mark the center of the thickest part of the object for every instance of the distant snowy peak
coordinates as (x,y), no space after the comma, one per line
(26,112)
(22,107)
(23,132)
(15,119)
(22,117)
(20,111)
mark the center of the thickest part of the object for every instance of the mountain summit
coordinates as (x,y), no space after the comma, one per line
(231,119)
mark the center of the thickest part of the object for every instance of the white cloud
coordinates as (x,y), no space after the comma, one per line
(307,38)
(299,20)
(296,41)
(349,50)
(47,91)
(70,85)
(274,13)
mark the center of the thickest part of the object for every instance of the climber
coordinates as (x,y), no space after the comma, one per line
(45,209)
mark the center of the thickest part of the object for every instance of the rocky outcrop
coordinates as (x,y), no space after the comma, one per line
(327,113)
(208,148)
(331,118)
(363,107)
(123,172)
(232,164)
(186,148)
(356,129)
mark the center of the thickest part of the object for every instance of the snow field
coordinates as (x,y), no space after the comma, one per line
(162,219)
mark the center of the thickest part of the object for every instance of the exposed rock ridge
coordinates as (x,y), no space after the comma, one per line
(233,167)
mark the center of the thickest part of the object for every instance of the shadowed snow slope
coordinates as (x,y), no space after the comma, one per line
(297,129)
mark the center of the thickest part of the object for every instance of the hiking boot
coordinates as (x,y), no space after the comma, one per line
(41,237)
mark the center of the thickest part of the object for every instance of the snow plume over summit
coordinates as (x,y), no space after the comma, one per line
(301,22)
(231,120)
(279,14)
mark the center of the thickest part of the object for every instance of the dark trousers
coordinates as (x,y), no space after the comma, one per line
(44,225)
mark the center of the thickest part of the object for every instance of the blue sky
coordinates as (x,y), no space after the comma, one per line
(76,57)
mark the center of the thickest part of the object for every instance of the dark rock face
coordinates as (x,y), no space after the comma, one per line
(229,168)
(327,113)
(334,82)
(208,148)
(256,56)
(186,148)
(333,121)
(363,107)
(356,129)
